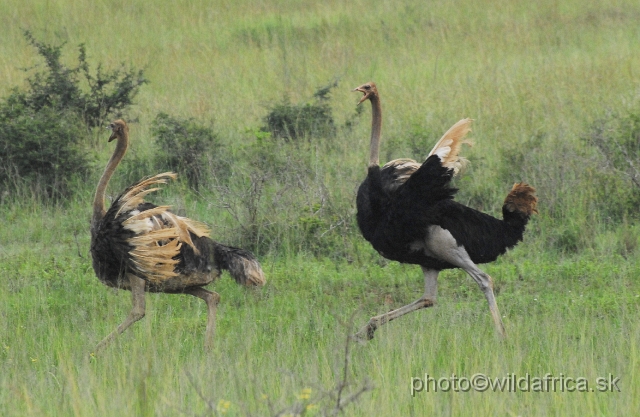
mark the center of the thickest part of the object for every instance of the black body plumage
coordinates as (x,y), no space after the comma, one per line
(110,249)
(394,218)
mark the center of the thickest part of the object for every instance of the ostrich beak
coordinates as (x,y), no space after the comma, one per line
(113,133)
(364,94)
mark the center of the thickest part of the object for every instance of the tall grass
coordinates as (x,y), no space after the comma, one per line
(533,75)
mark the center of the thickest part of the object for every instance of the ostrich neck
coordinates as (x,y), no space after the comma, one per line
(376,127)
(99,209)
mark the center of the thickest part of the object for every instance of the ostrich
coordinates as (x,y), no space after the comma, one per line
(407,212)
(141,247)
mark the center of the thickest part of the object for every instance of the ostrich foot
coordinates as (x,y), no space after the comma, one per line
(366,333)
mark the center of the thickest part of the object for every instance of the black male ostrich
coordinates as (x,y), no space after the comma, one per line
(407,212)
(140,247)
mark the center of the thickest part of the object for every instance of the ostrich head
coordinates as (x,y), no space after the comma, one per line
(368,90)
(118,129)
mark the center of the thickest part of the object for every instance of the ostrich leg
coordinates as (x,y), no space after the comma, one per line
(486,285)
(428,299)
(444,246)
(137,312)
(212,299)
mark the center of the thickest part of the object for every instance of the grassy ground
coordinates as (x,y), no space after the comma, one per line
(572,316)
(533,75)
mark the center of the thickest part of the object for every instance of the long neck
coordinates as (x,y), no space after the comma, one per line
(99,209)
(376,128)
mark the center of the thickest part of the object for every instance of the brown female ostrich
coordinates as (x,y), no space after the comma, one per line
(140,247)
(407,212)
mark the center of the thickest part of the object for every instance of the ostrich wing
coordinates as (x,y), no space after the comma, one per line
(395,173)
(152,235)
(427,185)
(448,147)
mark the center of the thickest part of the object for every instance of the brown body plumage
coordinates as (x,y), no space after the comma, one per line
(140,247)
(407,212)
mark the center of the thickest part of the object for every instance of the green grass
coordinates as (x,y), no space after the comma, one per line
(571,315)
(533,75)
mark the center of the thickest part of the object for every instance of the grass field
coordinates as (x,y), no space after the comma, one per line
(533,75)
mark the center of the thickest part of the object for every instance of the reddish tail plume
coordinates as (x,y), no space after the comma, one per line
(520,204)
(521,199)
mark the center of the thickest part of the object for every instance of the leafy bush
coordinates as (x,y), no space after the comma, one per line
(58,87)
(185,146)
(40,150)
(43,126)
(295,121)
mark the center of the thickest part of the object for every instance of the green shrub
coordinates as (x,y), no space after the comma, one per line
(58,87)
(295,121)
(43,127)
(40,150)
(185,146)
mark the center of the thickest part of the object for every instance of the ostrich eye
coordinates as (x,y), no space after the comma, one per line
(367,87)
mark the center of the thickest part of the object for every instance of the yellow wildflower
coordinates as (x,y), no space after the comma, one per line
(223,406)
(305,394)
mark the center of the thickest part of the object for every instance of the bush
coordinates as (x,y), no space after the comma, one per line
(40,150)
(185,146)
(58,87)
(295,121)
(42,127)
